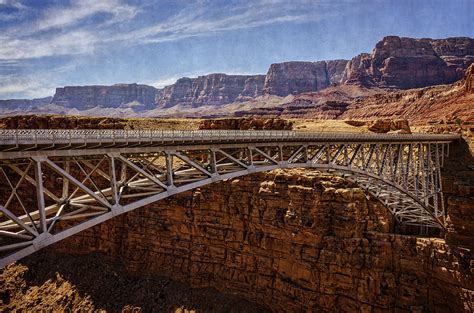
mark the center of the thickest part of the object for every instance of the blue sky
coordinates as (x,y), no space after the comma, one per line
(47,44)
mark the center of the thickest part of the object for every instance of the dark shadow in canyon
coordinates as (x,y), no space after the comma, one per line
(458,189)
(112,289)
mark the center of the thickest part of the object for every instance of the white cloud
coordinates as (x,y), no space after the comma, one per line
(11,4)
(66,36)
(72,43)
(201,20)
(58,31)
(33,85)
(164,82)
(63,17)
(63,31)
(27,87)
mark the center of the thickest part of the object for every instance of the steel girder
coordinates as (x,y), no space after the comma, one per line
(48,198)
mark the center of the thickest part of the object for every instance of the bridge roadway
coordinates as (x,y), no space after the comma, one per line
(81,178)
(74,139)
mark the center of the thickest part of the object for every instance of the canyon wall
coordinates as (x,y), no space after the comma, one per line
(87,97)
(293,241)
(247,124)
(213,89)
(469,80)
(434,104)
(395,62)
(287,78)
(25,104)
(404,63)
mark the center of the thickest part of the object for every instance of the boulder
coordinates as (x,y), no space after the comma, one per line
(380,126)
(356,123)
(385,125)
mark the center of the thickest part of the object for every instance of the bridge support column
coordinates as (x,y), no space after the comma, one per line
(40,193)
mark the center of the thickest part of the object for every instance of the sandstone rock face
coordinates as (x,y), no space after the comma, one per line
(469,80)
(295,77)
(247,123)
(61,122)
(293,242)
(411,63)
(458,189)
(25,104)
(213,89)
(253,88)
(175,93)
(395,62)
(386,125)
(335,70)
(86,97)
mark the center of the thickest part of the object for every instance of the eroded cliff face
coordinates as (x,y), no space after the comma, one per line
(292,241)
(287,78)
(213,89)
(469,80)
(400,62)
(353,101)
(87,97)
(247,124)
(25,104)
(395,62)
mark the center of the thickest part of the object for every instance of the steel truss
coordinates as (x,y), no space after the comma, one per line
(51,196)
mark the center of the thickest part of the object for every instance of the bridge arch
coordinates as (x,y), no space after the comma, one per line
(79,184)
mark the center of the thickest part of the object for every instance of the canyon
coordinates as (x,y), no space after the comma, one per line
(287,240)
(395,63)
(429,104)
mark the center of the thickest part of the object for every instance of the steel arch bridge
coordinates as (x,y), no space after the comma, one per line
(56,183)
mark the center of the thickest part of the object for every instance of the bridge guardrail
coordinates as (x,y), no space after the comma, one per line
(53,136)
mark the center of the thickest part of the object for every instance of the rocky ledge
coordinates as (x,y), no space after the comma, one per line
(247,124)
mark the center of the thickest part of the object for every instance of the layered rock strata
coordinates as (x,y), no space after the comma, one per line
(353,101)
(400,62)
(469,80)
(213,89)
(247,124)
(292,241)
(87,97)
(61,122)
(384,125)
(25,104)
(287,78)
(395,62)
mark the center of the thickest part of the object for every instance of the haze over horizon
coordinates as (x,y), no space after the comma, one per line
(88,42)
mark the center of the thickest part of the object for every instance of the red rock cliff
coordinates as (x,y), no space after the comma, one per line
(213,89)
(287,78)
(290,241)
(405,63)
(86,97)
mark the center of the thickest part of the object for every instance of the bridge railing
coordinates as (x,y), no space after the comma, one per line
(53,136)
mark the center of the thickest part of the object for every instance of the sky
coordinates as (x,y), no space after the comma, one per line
(46,44)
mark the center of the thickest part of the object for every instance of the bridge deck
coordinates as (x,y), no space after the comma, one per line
(10,137)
